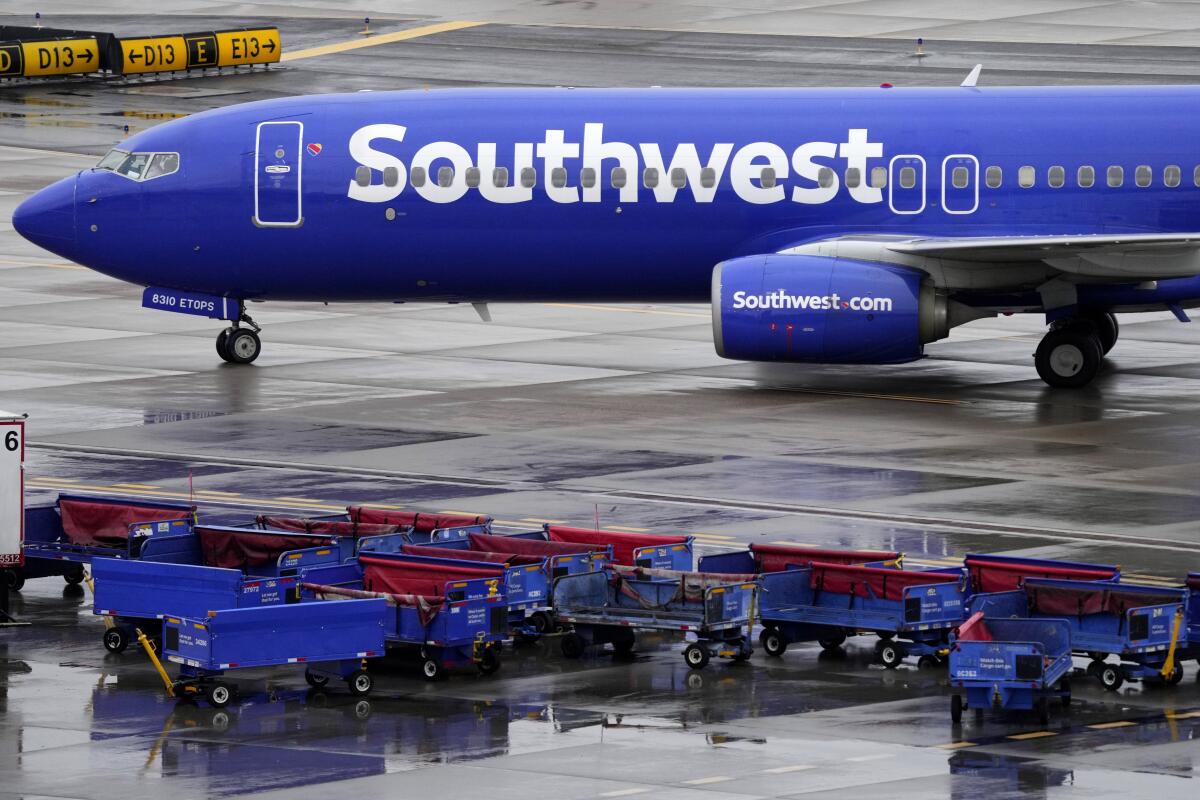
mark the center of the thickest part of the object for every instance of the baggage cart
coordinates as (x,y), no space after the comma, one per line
(608,606)
(422,527)
(365,535)
(331,640)
(1009,664)
(1002,572)
(62,538)
(450,611)
(647,550)
(1142,625)
(760,559)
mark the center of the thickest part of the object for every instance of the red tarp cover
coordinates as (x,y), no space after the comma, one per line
(974,629)
(467,555)
(489,542)
(326,527)
(412,577)
(107,524)
(427,607)
(888,584)
(623,544)
(241,549)
(1075,601)
(990,576)
(777,558)
(418,520)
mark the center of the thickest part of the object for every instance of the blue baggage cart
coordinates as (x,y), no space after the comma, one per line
(608,606)
(331,640)
(1192,615)
(1010,664)
(647,550)
(451,612)
(760,559)
(531,566)
(365,535)
(60,539)
(1142,625)
(422,527)
(1003,572)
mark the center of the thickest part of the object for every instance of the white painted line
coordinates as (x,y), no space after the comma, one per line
(623,792)
(792,768)
(713,779)
(876,757)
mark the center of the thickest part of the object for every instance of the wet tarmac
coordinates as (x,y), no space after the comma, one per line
(617,416)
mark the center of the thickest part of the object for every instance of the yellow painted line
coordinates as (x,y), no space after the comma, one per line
(212,492)
(956,745)
(301,499)
(545,521)
(463,513)
(623,792)
(511,523)
(384,38)
(1035,735)
(135,485)
(626,528)
(590,307)
(56,480)
(713,536)
(790,768)
(703,781)
(1188,715)
(795,544)
(1103,726)
(169,495)
(381,505)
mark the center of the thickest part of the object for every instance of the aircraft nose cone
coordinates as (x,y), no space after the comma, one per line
(48,218)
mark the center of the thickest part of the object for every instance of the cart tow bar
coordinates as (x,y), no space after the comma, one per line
(1169,664)
(149,650)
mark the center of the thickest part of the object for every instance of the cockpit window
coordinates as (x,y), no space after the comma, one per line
(140,166)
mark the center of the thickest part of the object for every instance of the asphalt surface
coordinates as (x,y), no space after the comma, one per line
(619,416)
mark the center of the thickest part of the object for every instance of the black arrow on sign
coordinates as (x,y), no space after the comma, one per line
(87,56)
(269,46)
(134,56)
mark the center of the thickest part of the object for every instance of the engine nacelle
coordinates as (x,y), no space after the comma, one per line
(826,310)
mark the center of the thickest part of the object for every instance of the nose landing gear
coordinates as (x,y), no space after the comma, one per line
(238,345)
(1070,353)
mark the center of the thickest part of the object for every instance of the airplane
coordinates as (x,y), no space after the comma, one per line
(844,226)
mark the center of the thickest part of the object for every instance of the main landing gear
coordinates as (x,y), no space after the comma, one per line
(1070,353)
(238,345)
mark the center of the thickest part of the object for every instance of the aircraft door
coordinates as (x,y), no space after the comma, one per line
(960,184)
(277,180)
(906,184)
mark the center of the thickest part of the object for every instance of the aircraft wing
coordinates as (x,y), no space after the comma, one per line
(1138,256)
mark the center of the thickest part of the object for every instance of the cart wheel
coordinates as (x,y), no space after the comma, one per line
(314,680)
(1176,675)
(572,645)
(1043,711)
(928,662)
(744,652)
(956,708)
(890,656)
(831,642)
(1110,677)
(541,622)
(218,695)
(624,646)
(360,682)
(15,579)
(431,669)
(116,640)
(773,642)
(696,656)
(489,661)
(75,576)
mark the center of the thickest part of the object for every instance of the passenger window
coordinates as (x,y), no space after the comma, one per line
(908,177)
(162,164)
(959,177)
(708,177)
(1116,176)
(679,177)
(1026,176)
(362,176)
(528,177)
(1085,176)
(879,177)
(472,177)
(618,178)
(445,177)
(825,177)
(558,177)
(391,176)
(417,177)
(994,177)
(767,178)
(650,178)
(853,177)
(1056,177)
(1172,175)
(500,177)
(587,177)
(1142,176)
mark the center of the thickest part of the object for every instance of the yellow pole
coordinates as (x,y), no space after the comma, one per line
(87,578)
(162,673)
(1169,664)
